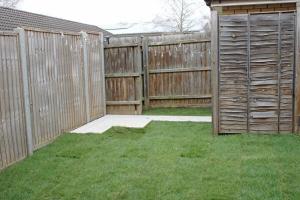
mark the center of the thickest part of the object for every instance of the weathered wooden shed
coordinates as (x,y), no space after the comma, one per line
(256,66)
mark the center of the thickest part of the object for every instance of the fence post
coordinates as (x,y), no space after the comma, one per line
(101,38)
(145,44)
(139,79)
(297,74)
(25,71)
(84,38)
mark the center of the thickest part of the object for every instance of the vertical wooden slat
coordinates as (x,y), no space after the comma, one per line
(11,84)
(102,66)
(286,73)
(4,111)
(86,69)
(146,71)
(139,81)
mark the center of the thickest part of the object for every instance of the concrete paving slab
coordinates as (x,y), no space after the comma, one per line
(133,121)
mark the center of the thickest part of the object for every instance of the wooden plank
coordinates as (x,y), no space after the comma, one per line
(122,75)
(11,84)
(111,103)
(180,97)
(145,46)
(102,65)
(13,49)
(138,81)
(111,46)
(9,113)
(38,30)
(96,75)
(177,70)
(288,28)
(84,40)
(166,43)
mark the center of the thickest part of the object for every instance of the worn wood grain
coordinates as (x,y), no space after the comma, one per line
(178,66)
(123,69)
(256,81)
(55,79)
(12,122)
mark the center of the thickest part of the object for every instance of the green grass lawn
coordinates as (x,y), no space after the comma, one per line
(179,111)
(165,160)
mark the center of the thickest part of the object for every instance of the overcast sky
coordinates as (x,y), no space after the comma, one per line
(103,13)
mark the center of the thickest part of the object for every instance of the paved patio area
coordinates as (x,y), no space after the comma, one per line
(133,121)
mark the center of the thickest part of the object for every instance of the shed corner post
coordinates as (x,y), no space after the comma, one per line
(84,38)
(101,38)
(25,81)
(297,73)
(215,71)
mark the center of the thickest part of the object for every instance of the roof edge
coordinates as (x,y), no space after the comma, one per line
(58,18)
(212,3)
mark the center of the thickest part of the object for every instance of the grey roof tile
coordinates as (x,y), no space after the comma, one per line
(11,19)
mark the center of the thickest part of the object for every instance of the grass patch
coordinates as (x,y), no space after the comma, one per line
(166,160)
(179,111)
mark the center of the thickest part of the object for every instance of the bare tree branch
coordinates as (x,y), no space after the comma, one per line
(183,16)
(9,3)
(178,17)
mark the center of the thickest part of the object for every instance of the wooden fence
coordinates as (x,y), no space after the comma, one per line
(164,71)
(13,145)
(49,83)
(123,72)
(178,71)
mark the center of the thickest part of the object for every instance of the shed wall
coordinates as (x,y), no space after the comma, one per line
(240,103)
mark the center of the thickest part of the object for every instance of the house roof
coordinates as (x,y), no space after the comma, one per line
(12,18)
(149,34)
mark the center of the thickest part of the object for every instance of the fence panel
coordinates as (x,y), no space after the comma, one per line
(96,75)
(53,62)
(12,121)
(56,79)
(123,72)
(179,71)
(173,71)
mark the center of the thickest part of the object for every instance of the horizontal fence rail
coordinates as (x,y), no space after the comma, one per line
(161,71)
(47,79)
